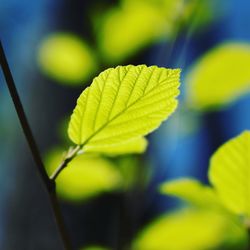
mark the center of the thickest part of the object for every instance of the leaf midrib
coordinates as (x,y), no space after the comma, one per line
(120,113)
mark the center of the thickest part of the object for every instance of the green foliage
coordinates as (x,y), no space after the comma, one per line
(123,30)
(123,104)
(66,58)
(135,145)
(192,191)
(230,174)
(189,229)
(216,79)
(85,176)
(111,117)
(229,195)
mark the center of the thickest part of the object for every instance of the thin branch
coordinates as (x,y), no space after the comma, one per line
(70,155)
(59,220)
(49,184)
(23,120)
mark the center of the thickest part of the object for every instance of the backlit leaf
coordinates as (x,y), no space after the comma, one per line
(122,104)
(230,173)
(137,145)
(191,191)
(220,76)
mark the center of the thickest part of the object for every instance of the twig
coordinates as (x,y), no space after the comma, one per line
(70,155)
(246,222)
(48,183)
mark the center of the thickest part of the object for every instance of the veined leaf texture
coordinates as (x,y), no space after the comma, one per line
(123,104)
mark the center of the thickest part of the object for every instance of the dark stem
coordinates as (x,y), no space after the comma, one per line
(23,120)
(48,184)
(70,155)
(248,240)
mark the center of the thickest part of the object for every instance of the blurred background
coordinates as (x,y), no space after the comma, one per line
(54,49)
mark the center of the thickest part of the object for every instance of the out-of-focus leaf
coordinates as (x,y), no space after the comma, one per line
(127,28)
(84,177)
(230,173)
(220,76)
(192,230)
(123,103)
(66,58)
(191,191)
(124,30)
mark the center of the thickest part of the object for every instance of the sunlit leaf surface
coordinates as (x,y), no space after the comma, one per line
(66,58)
(137,145)
(84,177)
(192,230)
(122,104)
(220,76)
(230,173)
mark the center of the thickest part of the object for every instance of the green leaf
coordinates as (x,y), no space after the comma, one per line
(133,146)
(123,103)
(66,58)
(230,173)
(216,79)
(191,230)
(192,191)
(137,145)
(86,176)
(123,30)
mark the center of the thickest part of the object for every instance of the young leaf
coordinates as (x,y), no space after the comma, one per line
(137,145)
(191,191)
(230,173)
(123,103)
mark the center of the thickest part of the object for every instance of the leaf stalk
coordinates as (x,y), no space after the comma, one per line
(67,159)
